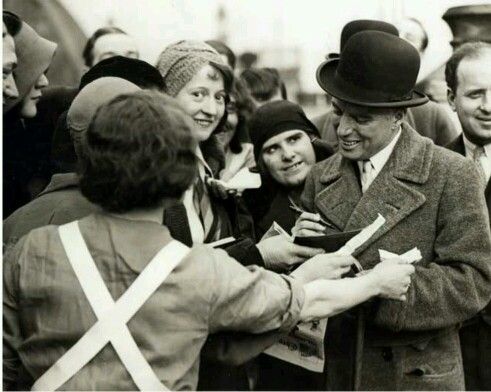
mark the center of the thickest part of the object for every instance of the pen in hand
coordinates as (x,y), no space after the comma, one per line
(300,211)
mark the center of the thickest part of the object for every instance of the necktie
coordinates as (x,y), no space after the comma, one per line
(367,175)
(479,157)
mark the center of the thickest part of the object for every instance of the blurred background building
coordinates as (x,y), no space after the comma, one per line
(291,35)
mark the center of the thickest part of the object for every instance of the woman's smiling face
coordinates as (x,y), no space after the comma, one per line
(203,98)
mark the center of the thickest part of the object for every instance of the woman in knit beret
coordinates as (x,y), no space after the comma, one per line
(196,76)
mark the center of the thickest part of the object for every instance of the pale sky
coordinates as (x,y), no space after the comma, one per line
(310,28)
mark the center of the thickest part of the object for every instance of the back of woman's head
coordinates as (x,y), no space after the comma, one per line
(138,150)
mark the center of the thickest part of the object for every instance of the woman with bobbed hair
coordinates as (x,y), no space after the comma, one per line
(118,276)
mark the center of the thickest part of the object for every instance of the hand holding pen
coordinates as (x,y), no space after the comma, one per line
(308,224)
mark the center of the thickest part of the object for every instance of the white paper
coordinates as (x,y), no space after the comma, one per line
(358,240)
(244,179)
(409,257)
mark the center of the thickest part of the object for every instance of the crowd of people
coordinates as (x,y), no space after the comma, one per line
(132,262)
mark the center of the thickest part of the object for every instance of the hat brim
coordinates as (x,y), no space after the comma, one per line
(334,86)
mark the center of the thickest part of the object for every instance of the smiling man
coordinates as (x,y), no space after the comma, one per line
(431,199)
(468,76)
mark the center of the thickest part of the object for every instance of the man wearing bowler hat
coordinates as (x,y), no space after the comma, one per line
(430,119)
(431,199)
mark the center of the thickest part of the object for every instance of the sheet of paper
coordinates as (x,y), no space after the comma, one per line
(244,179)
(358,240)
(411,256)
(276,229)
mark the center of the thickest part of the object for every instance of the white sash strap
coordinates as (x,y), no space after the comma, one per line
(112,316)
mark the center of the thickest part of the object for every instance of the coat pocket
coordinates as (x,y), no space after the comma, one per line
(435,364)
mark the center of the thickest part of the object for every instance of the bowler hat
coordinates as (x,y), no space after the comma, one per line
(355,26)
(375,69)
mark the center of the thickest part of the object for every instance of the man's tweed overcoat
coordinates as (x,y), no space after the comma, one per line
(432,199)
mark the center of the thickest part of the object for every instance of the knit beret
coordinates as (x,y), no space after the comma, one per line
(93,96)
(34,55)
(136,71)
(274,118)
(179,62)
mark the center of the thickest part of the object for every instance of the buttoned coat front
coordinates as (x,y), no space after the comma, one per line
(432,199)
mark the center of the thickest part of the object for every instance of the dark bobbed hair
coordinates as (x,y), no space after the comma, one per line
(221,48)
(12,22)
(263,83)
(88,54)
(276,73)
(138,151)
(245,109)
(469,49)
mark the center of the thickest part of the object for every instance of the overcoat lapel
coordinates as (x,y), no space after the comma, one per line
(338,199)
(392,194)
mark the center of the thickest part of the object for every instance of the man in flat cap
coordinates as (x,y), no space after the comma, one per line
(431,198)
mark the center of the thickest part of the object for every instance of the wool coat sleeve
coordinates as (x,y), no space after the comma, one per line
(457,284)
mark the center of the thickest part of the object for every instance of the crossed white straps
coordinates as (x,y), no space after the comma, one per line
(112,316)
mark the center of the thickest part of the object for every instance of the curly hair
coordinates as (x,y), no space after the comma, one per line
(87,53)
(138,151)
(469,49)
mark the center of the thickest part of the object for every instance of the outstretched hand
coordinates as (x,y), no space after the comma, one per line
(280,254)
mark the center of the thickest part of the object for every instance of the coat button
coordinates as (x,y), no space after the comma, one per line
(387,354)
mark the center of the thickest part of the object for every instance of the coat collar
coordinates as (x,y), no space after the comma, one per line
(394,193)
(61,181)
